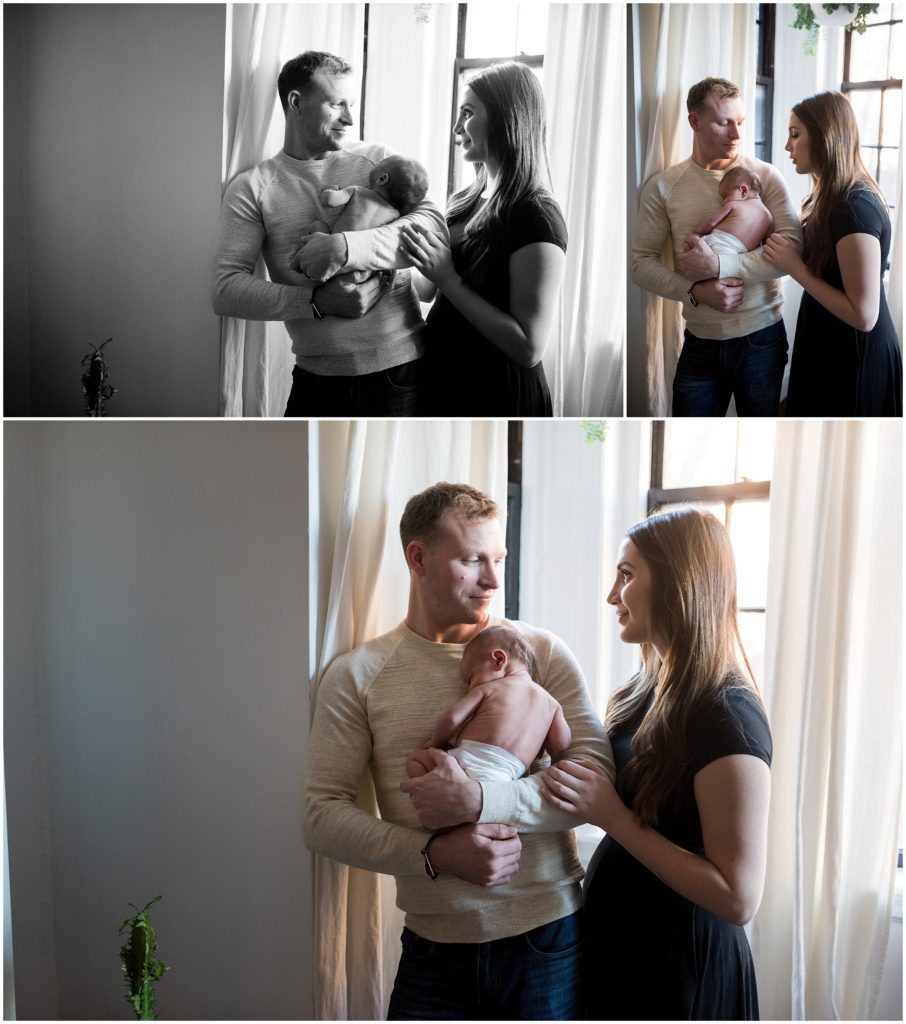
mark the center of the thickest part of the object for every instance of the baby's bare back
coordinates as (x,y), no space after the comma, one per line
(516,714)
(749,220)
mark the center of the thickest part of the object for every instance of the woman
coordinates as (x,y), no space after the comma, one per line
(498,288)
(846,356)
(682,866)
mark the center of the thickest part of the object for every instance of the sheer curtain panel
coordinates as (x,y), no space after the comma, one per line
(256,357)
(675,46)
(362,475)
(833,690)
(584,71)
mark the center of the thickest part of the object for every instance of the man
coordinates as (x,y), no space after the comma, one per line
(478,897)
(735,341)
(358,348)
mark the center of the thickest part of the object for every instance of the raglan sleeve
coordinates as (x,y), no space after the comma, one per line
(235,290)
(339,753)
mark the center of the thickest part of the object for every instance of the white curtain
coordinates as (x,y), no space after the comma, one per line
(833,689)
(256,356)
(673,47)
(584,68)
(361,475)
(409,84)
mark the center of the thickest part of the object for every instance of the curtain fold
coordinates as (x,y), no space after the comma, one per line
(584,67)
(367,472)
(833,679)
(422,39)
(256,357)
(675,46)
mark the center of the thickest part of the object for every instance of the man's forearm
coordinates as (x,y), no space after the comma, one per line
(379,248)
(336,828)
(649,272)
(239,294)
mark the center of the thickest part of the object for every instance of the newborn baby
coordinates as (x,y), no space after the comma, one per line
(744,219)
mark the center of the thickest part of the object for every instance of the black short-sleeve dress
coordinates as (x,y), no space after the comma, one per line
(837,370)
(471,375)
(655,955)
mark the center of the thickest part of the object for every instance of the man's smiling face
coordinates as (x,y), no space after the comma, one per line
(325,111)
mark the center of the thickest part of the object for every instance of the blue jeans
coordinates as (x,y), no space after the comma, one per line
(751,368)
(538,975)
(394,392)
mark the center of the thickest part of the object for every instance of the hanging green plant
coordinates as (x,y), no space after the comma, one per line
(140,964)
(848,16)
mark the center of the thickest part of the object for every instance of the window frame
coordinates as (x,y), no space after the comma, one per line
(764,76)
(730,494)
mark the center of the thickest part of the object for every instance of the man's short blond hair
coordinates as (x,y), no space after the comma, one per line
(737,176)
(720,88)
(424,511)
(507,639)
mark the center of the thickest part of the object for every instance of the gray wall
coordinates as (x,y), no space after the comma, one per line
(113,121)
(156,713)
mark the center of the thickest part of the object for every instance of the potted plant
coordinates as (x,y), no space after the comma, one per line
(812,16)
(140,964)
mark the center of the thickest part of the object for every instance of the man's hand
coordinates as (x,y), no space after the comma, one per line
(446,795)
(724,295)
(481,854)
(350,300)
(699,261)
(321,256)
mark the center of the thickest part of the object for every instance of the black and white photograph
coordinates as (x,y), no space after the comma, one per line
(235,233)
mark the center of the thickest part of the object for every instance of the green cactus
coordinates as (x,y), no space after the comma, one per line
(140,967)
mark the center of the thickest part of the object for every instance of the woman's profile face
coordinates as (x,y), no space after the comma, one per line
(797,145)
(631,597)
(471,128)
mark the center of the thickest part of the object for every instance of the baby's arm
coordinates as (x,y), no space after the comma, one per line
(454,718)
(711,223)
(559,735)
(364,210)
(336,196)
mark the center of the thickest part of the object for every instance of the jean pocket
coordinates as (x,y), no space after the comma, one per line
(415,946)
(770,337)
(406,376)
(557,938)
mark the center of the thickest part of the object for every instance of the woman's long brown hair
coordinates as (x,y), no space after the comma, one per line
(516,137)
(693,588)
(833,137)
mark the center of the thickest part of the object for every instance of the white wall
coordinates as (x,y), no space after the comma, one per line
(113,139)
(156,713)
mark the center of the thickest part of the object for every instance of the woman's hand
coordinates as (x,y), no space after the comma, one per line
(584,789)
(780,252)
(429,253)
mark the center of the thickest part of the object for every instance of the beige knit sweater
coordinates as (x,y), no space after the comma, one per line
(675,202)
(377,704)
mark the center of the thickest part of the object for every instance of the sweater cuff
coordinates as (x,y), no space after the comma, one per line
(498,803)
(728,265)
(358,250)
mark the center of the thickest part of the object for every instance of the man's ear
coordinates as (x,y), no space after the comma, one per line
(294,100)
(415,556)
(693,120)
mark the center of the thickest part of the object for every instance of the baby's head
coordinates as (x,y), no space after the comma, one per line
(496,652)
(401,181)
(739,183)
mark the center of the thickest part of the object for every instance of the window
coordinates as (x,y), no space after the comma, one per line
(765,22)
(488,33)
(870,62)
(727,472)
(513,519)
